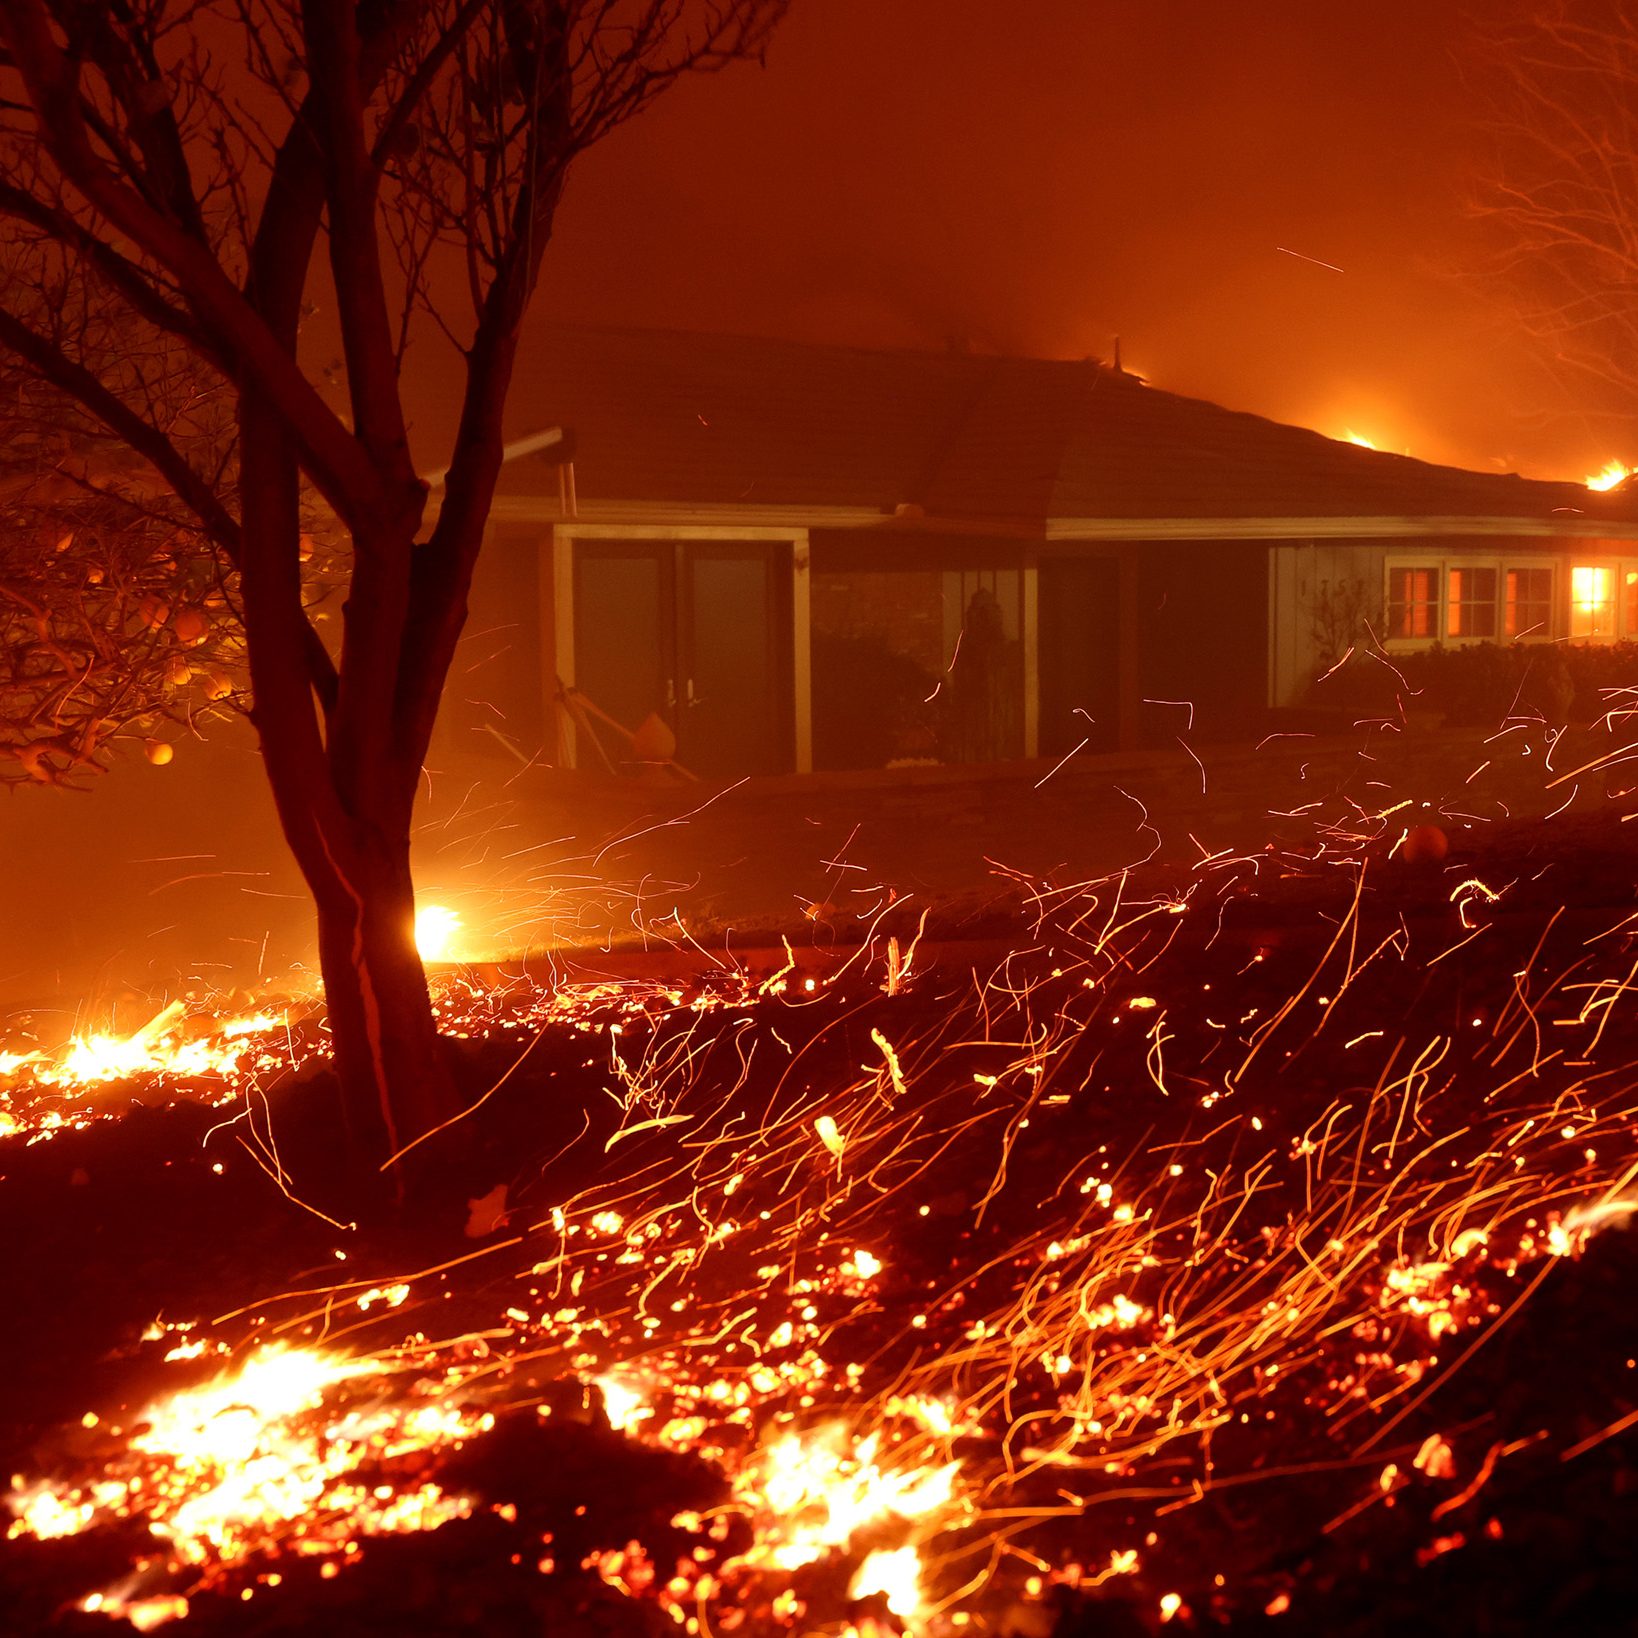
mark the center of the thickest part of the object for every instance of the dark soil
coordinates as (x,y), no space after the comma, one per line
(1280,1522)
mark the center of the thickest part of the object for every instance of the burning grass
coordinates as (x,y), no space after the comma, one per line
(942,1291)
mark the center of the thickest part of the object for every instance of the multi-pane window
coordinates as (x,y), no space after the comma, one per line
(1528,608)
(1460,599)
(1592,600)
(1413,601)
(1470,602)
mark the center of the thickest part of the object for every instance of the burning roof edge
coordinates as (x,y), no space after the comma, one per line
(686,424)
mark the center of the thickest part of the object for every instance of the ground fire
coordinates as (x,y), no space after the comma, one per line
(714,932)
(937,1282)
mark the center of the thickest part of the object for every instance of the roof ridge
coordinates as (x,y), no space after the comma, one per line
(934,354)
(692,416)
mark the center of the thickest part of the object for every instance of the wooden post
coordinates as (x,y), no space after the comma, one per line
(1031,634)
(1129,683)
(801,654)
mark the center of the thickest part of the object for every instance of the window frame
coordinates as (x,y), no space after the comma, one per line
(1549,632)
(1617,569)
(1500,565)
(1447,603)
(1395,563)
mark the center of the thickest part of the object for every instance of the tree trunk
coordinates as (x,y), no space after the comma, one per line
(395,1079)
(346,815)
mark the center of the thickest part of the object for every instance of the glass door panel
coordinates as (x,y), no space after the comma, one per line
(695,633)
(625,648)
(733,684)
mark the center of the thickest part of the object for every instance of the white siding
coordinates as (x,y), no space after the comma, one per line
(1303,581)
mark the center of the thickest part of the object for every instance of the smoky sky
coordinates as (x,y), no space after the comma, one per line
(1039,176)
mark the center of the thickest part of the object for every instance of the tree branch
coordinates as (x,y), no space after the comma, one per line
(122,275)
(336,109)
(125,424)
(339,464)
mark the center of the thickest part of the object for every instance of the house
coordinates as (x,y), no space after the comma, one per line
(798,557)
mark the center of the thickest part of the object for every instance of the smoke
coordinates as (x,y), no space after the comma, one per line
(1039,182)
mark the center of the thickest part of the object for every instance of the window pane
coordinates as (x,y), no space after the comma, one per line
(1630,631)
(878,662)
(1471,603)
(1592,601)
(1529,603)
(1413,602)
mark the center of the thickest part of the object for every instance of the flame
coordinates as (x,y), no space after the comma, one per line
(161,1047)
(435,930)
(812,1492)
(142,1613)
(896,1574)
(1359,438)
(624,1403)
(1613,473)
(258,1458)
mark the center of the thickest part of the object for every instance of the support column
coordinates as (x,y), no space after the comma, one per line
(1129,685)
(561,582)
(1031,621)
(802,654)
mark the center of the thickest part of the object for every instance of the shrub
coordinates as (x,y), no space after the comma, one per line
(1481,683)
(870,704)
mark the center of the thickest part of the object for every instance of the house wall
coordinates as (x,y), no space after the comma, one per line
(1325,595)
(1203,624)
(1229,628)
(1085,656)
(498,707)
(1319,593)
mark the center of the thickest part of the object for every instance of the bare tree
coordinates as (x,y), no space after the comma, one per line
(112,621)
(1557,192)
(196,169)
(117,617)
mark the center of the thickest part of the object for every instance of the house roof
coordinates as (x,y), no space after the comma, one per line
(668,417)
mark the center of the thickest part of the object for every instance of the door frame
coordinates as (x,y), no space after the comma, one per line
(798,640)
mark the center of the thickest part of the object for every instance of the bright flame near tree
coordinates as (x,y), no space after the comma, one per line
(169,1044)
(435,929)
(1614,473)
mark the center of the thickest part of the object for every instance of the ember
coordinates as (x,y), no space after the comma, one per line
(1029,1022)
(264,1456)
(793,1303)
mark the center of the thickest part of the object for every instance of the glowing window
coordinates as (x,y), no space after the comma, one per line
(1592,601)
(1630,630)
(1413,602)
(1528,606)
(1470,603)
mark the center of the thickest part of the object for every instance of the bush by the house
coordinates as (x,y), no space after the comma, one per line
(871,704)
(1483,682)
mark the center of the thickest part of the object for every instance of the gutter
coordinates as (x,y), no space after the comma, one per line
(1339,528)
